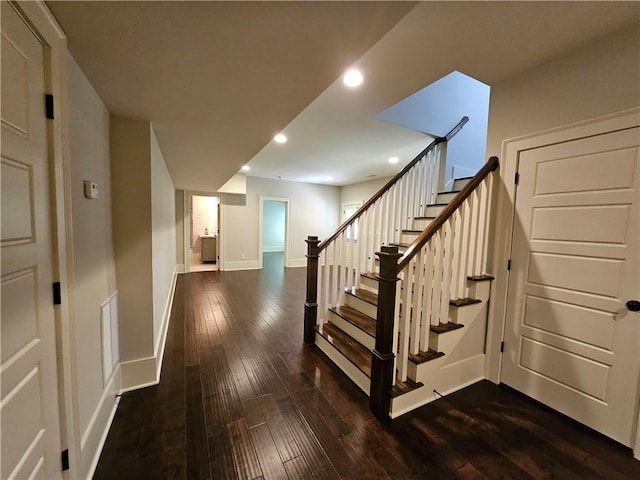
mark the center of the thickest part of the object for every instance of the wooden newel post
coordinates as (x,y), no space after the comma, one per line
(382,374)
(311,305)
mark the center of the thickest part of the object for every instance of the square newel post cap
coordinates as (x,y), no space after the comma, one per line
(388,256)
(312,246)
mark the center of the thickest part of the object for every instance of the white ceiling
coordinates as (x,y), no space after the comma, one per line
(219,79)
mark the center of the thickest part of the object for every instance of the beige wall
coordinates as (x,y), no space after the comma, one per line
(360,192)
(180,229)
(93,262)
(314,211)
(132,227)
(599,78)
(163,240)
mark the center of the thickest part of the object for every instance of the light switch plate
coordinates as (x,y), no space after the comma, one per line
(91,189)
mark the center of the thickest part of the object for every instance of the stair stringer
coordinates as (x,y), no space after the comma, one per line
(441,374)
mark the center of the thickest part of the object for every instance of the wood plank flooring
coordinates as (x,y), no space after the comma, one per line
(241,397)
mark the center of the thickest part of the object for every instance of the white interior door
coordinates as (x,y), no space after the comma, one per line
(29,404)
(570,341)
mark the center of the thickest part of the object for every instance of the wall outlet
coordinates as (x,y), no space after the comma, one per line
(91,189)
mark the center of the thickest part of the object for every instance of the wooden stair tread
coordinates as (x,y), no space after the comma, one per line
(401,245)
(445,327)
(371,275)
(423,357)
(404,387)
(462,302)
(480,278)
(364,295)
(411,231)
(347,346)
(356,318)
(424,218)
(451,191)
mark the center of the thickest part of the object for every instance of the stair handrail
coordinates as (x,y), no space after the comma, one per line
(365,206)
(491,165)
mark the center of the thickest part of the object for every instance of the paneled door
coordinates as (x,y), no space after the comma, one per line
(571,342)
(30,428)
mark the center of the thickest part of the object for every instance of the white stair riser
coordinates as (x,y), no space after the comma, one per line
(409,237)
(361,305)
(370,284)
(421,223)
(446,197)
(433,210)
(359,378)
(445,342)
(354,332)
(479,290)
(460,183)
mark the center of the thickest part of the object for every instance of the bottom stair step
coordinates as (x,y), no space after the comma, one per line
(445,327)
(347,346)
(423,357)
(407,386)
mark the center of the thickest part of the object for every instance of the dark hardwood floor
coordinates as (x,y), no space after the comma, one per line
(242,397)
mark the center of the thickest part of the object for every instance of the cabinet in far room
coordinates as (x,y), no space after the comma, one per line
(209,250)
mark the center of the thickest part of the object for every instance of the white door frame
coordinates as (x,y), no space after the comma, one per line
(41,20)
(186,231)
(286,201)
(503,232)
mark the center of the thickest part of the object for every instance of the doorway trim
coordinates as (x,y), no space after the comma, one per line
(53,38)
(186,231)
(287,202)
(505,214)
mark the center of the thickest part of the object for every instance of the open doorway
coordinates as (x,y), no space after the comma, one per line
(274,232)
(204,233)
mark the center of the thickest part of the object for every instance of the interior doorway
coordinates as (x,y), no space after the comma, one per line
(274,232)
(204,232)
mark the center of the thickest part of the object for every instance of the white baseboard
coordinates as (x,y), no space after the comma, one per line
(144,372)
(180,268)
(166,316)
(95,435)
(296,262)
(241,265)
(138,373)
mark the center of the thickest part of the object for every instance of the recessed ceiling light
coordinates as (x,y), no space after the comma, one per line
(328,178)
(246,168)
(280,138)
(352,78)
(394,159)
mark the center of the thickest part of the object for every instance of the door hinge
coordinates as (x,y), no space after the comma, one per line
(64,457)
(57,295)
(509,264)
(48,105)
(502,346)
(517,179)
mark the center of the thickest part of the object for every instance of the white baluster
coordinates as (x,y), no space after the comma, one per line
(489,210)
(465,211)
(399,362)
(418,278)
(473,233)
(327,282)
(456,272)
(446,271)
(427,295)
(403,350)
(437,278)
(344,275)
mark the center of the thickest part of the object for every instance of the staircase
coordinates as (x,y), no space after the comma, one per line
(406,324)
